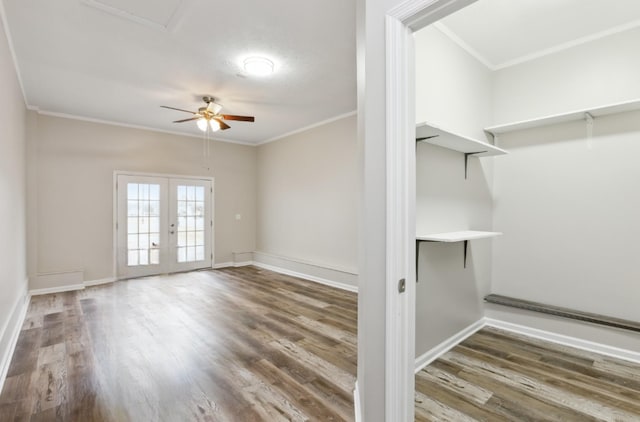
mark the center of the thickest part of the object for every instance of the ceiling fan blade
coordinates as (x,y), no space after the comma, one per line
(179,109)
(223,125)
(240,118)
(187,120)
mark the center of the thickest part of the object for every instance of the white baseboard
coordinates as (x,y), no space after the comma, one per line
(231,264)
(356,403)
(589,346)
(243,264)
(222,265)
(442,348)
(99,281)
(11,331)
(71,287)
(339,278)
(326,282)
(61,279)
(58,289)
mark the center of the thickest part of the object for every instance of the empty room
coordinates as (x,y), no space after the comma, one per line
(360,210)
(179,182)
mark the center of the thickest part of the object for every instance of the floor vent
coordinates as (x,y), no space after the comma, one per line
(564,312)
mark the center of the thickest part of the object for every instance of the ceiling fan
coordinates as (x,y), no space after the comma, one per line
(209,116)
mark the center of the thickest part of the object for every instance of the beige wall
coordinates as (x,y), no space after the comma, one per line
(73,183)
(307,196)
(13,277)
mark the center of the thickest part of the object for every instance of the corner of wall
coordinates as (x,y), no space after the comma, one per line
(11,331)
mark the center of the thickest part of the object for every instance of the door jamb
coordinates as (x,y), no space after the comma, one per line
(401,22)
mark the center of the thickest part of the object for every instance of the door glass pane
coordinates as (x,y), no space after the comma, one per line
(133,257)
(143,231)
(182,193)
(191,209)
(154,224)
(143,191)
(154,192)
(199,253)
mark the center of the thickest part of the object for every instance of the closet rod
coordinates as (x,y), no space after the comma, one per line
(564,312)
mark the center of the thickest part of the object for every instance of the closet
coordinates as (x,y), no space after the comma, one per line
(527,182)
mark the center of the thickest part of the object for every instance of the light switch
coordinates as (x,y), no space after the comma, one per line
(238,217)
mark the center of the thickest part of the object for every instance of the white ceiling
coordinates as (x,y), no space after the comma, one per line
(119,60)
(501,33)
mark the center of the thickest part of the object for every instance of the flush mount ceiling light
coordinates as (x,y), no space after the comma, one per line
(258,66)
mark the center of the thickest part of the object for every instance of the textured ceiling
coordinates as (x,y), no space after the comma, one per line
(119,60)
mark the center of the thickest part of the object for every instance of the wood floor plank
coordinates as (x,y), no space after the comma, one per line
(430,409)
(564,357)
(447,399)
(531,380)
(577,378)
(546,391)
(238,344)
(451,382)
(513,403)
(340,378)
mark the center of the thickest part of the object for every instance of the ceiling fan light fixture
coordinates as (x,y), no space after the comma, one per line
(258,66)
(214,124)
(202,124)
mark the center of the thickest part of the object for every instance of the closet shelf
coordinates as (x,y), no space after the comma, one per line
(565,117)
(450,237)
(456,236)
(426,132)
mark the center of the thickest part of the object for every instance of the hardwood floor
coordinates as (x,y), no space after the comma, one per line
(498,376)
(239,344)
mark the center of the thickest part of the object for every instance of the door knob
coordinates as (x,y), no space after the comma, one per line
(171,232)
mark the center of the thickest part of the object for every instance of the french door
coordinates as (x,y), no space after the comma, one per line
(164,225)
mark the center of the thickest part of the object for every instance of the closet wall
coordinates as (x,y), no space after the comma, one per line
(453,92)
(568,203)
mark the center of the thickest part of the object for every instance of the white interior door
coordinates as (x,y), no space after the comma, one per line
(163,225)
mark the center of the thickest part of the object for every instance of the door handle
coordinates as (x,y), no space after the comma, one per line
(171,232)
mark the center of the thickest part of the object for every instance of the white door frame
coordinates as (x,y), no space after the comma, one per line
(114,227)
(401,22)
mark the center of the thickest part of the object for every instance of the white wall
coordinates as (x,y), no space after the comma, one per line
(13,275)
(454,92)
(453,88)
(567,204)
(597,73)
(569,208)
(307,202)
(73,187)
